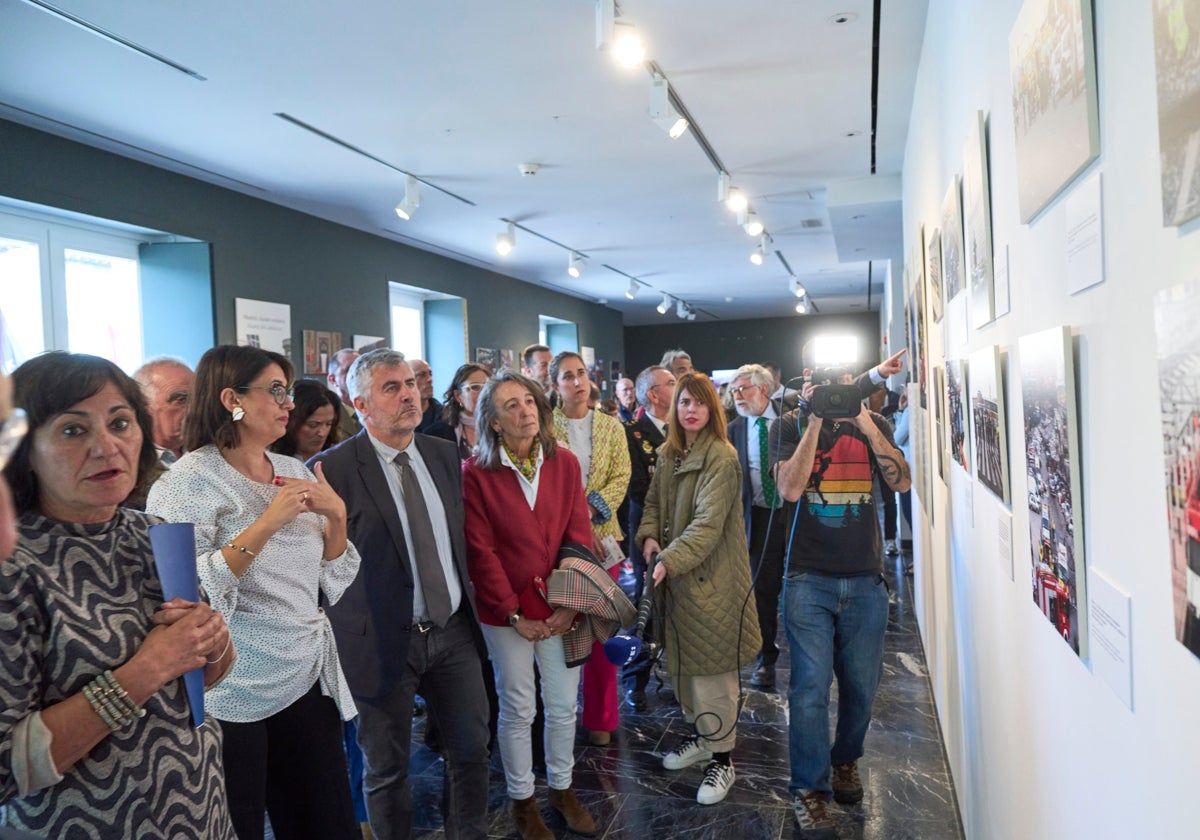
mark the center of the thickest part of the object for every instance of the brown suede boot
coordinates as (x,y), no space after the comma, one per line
(578,820)
(528,818)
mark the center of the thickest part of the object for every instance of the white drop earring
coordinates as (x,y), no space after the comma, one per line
(238,413)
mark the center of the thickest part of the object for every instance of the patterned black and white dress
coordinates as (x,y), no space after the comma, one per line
(74,600)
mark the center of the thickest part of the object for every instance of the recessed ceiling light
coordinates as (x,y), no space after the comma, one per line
(842,18)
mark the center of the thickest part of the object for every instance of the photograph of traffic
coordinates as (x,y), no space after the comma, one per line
(1175,314)
(1052,483)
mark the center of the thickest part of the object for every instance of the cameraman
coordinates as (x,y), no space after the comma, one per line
(836,601)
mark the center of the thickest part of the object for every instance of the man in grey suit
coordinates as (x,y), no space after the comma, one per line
(408,623)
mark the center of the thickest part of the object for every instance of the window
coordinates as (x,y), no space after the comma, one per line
(68,286)
(22,334)
(408,322)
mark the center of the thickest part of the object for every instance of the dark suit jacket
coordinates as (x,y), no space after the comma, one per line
(369,620)
(739,437)
(644,439)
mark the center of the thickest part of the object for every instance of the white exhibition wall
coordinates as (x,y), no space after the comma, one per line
(1039,746)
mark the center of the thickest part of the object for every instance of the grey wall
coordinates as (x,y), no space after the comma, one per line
(728,344)
(334,277)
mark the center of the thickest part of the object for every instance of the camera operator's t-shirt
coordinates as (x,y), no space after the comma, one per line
(837,531)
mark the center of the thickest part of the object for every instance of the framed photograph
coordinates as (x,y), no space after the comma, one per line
(988,427)
(977,218)
(506,359)
(489,357)
(952,241)
(1177,61)
(956,413)
(939,399)
(933,273)
(918,284)
(1051,423)
(1176,311)
(1052,65)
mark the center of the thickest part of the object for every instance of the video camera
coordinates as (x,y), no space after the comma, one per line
(830,399)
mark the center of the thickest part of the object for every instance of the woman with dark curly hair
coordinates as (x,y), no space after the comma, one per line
(312,425)
(458,413)
(96,733)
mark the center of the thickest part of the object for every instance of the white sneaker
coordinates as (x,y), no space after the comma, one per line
(718,779)
(690,752)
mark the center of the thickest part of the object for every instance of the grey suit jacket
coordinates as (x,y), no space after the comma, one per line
(370,619)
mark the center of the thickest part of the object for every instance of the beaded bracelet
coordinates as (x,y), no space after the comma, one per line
(111,702)
(241,548)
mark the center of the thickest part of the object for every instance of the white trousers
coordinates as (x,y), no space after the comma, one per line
(513,660)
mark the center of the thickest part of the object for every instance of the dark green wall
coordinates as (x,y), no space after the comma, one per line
(716,345)
(334,277)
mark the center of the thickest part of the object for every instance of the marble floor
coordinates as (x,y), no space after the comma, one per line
(909,793)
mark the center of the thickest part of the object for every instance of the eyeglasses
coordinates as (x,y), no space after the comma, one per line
(473,387)
(738,390)
(281,395)
(11,434)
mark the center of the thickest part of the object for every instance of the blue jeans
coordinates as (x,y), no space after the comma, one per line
(834,626)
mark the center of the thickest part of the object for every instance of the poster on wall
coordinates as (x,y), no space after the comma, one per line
(367,343)
(1177,61)
(933,273)
(489,357)
(918,284)
(1052,67)
(264,324)
(506,359)
(988,426)
(1176,311)
(956,413)
(977,215)
(952,241)
(319,347)
(939,400)
(1059,575)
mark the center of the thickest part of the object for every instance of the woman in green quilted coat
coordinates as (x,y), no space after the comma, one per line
(706,613)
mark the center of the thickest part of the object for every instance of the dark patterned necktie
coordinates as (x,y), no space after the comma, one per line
(429,567)
(768,483)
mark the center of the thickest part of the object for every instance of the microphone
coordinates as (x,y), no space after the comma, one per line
(624,648)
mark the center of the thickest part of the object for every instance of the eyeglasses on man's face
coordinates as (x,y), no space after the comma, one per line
(738,390)
(12,432)
(280,394)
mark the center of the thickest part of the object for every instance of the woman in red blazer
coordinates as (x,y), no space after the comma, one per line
(523,499)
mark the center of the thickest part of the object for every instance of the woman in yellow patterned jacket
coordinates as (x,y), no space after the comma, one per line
(598,441)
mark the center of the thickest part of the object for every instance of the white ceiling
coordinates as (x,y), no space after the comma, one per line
(459,92)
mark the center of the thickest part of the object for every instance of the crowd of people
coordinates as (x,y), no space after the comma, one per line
(361,547)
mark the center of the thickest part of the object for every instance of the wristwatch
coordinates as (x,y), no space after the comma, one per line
(514,618)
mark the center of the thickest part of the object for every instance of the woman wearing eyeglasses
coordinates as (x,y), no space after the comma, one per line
(459,401)
(270,541)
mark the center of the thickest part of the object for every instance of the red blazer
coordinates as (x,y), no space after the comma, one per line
(508,544)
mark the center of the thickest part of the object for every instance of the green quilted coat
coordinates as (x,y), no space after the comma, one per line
(704,611)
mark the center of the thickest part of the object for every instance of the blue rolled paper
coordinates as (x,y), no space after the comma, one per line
(174,545)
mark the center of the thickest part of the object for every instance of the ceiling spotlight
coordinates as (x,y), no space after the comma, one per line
(759,253)
(722,187)
(681,309)
(691,314)
(802,307)
(628,48)
(664,305)
(506,241)
(412,199)
(575,265)
(751,223)
(632,291)
(795,288)
(661,110)
(736,200)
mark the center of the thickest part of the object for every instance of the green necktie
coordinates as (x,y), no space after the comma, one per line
(768,483)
